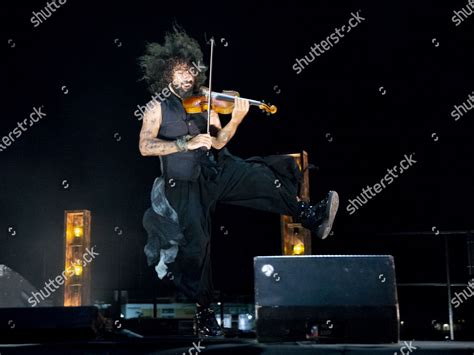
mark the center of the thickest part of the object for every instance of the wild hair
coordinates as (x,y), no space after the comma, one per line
(158,61)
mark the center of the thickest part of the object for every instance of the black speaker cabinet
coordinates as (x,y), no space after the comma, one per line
(42,324)
(326,298)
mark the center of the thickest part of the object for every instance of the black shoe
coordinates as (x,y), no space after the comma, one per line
(205,323)
(319,218)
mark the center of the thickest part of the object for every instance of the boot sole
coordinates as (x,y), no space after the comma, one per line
(333,206)
(202,335)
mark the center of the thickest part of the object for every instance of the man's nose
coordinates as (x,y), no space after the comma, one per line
(187,76)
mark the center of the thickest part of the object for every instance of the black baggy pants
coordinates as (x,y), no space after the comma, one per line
(264,183)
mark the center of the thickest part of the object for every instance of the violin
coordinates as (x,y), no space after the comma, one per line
(222,102)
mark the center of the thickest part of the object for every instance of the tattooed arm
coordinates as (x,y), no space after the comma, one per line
(150,145)
(224,134)
(241,107)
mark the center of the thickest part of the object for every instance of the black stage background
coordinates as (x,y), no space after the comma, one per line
(385,90)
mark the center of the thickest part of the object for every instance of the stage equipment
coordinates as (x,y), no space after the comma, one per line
(349,298)
(77,242)
(295,239)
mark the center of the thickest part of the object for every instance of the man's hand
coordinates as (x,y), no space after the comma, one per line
(241,107)
(201,140)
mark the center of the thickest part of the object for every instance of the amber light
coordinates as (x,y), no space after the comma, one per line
(295,239)
(78,232)
(77,240)
(77,268)
(298,248)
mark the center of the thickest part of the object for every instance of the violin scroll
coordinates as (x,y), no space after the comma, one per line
(268,109)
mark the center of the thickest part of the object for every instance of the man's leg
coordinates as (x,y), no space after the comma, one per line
(265,183)
(191,269)
(271,184)
(191,272)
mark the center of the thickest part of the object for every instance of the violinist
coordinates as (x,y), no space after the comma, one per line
(198,172)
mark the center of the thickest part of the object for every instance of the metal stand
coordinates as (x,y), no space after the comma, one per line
(448,284)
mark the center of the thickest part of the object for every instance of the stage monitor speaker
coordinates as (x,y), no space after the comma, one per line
(470,254)
(41,324)
(340,298)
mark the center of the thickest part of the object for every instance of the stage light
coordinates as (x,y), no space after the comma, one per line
(77,269)
(298,248)
(245,322)
(295,239)
(78,232)
(227,320)
(78,227)
(77,241)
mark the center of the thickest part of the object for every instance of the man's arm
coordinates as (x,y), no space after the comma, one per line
(241,107)
(150,145)
(224,135)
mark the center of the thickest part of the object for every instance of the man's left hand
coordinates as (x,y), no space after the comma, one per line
(241,108)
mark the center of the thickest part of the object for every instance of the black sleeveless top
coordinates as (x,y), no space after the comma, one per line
(177,123)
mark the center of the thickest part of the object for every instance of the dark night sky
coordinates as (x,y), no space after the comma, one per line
(91,49)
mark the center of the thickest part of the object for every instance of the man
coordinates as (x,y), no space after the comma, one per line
(198,172)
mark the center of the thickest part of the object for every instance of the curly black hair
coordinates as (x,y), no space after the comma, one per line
(159,60)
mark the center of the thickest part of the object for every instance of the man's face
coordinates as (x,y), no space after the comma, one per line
(183,80)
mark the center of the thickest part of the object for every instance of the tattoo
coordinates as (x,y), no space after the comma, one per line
(154,147)
(222,136)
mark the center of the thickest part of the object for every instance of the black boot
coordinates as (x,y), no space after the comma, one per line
(205,323)
(318,218)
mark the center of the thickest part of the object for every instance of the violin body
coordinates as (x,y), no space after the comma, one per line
(222,103)
(198,104)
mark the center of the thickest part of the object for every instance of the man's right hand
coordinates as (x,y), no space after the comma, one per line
(201,140)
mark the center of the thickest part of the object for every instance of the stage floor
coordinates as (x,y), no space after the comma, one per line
(191,345)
